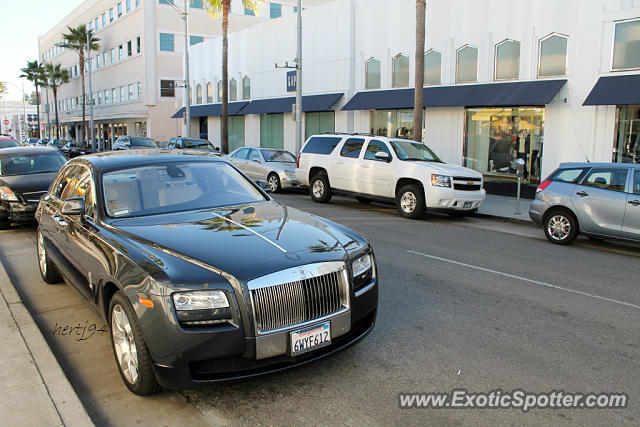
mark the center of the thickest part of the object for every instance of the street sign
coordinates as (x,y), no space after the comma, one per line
(291,81)
(6,122)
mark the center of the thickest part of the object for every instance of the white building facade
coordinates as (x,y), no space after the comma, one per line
(544,81)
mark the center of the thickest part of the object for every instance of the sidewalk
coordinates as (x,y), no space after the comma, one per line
(505,207)
(35,391)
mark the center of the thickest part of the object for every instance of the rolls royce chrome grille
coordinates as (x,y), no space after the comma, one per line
(296,302)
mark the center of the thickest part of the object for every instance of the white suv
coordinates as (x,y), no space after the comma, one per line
(387,169)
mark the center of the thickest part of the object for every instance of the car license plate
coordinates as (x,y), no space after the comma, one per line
(312,338)
(467,205)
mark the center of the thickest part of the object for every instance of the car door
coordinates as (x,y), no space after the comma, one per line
(376,176)
(344,171)
(631,222)
(239,159)
(254,164)
(600,200)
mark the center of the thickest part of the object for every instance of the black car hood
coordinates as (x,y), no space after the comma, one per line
(28,183)
(245,241)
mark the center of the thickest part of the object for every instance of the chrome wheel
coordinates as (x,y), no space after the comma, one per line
(42,255)
(408,202)
(274,183)
(124,344)
(318,188)
(558,227)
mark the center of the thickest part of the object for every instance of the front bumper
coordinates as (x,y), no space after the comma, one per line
(18,211)
(288,181)
(230,352)
(454,200)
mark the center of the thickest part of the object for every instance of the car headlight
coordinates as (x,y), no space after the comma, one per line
(440,180)
(360,265)
(7,195)
(290,174)
(200,300)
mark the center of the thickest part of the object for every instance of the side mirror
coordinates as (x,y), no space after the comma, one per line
(256,160)
(264,185)
(383,155)
(73,207)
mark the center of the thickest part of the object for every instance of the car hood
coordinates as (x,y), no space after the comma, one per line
(28,183)
(246,241)
(452,170)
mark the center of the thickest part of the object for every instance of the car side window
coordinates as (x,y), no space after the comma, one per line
(254,155)
(607,178)
(242,154)
(569,175)
(65,182)
(374,147)
(85,189)
(352,147)
(636,181)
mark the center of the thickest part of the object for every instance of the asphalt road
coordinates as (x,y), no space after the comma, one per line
(473,303)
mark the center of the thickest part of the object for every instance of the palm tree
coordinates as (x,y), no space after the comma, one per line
(34,72)
(55,76)
(76,39)
(214,8)
(419,69)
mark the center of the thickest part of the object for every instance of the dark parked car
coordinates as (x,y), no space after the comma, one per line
(43,141)
(599,200)
(192,143)
(200,275)
(131,143)
(71,150)
(8,142)
(25,175)
(57,143)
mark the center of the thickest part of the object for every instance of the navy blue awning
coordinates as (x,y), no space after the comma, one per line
(615,90)
(537,92)
(213,110)
(283,105)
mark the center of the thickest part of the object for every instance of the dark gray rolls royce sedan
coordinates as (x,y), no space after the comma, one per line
(200,275)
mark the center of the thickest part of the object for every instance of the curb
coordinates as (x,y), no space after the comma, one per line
(506,219)
(71,410)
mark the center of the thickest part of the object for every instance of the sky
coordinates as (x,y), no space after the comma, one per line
(21,22)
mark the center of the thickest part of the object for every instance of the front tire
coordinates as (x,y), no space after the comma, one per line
(560,227)
(274,182)
(129,349)
(320,190)
(47,267)
(410,201)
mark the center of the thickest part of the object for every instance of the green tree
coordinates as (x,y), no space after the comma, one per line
(419,69)
(76,39)
(34,72)
(55,76)
(3,88)
(215,8)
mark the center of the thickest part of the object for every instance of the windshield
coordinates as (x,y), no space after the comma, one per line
(198,144)
(26,164)
(7,143)
(278,156)
(175,187)
(412,150)
(143,142)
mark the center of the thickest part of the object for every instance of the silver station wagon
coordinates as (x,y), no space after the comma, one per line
(599,200)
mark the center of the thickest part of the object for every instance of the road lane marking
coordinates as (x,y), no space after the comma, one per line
(524,279)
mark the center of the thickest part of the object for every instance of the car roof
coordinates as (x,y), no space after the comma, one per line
(28,150)
(131,158)
(6,138)
(597,165)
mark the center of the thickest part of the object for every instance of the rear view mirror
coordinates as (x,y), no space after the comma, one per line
(73,207)
(383,155)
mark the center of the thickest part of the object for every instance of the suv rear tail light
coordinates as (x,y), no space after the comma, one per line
(544,184)
(298,160)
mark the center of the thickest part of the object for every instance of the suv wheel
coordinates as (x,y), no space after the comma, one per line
(320,190)
(410,201)
(560,227)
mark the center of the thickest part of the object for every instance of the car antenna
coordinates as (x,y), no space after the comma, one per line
(583,153)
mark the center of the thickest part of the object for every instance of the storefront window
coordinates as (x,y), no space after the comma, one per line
(392,123)
(319,122)
(272,130)
(236,132)
(496,137)
(626,148)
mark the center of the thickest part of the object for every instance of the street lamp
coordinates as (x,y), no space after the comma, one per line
(184,14)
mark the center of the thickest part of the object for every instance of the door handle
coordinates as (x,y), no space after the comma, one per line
(634,202)
(364,166)
(339,163)
(582,194)
(61,223)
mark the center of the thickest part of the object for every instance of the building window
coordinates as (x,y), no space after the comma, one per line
(124,94)
(166,42)
(249,12)
(97,61)
(128,6)
(432,67)
(133,93)
(139,90)
(626,46)
(553,56)
(496,137)
(400,74)
(195,40)
(275,10)
(167,88)
(115,95)
(137,44)
(626,147)
(372,74)
(105,58)
(233,90)
(507,60)
(272,130)
(199,94)
(319,122)
(129,48)
(119,7)
(392,123)
(220,90)
(209,93)
(110,15)
(196,4)
(100,101)
(104,20)
(467,60)
(96,24)
(120,53)
(137,3)
(107,96)
(236,132)
(246,88)
(114,58)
